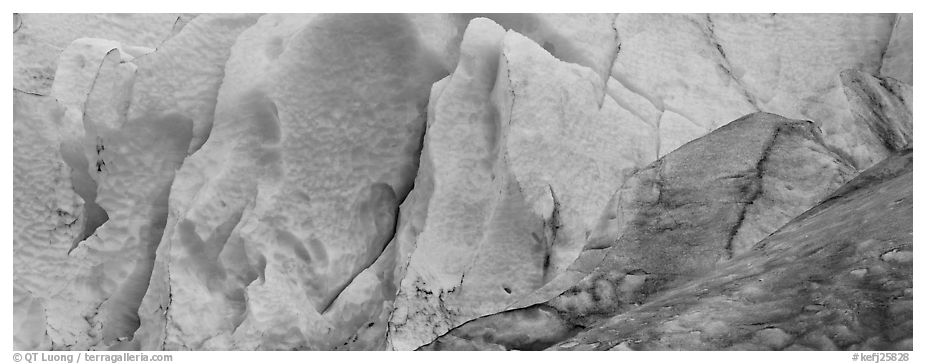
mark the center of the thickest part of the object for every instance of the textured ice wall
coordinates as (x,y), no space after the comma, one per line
(375,181)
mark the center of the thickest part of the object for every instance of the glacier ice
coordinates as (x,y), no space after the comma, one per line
(406,181)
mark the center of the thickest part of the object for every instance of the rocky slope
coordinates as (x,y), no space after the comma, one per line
(708,202)
(838,277)
(452,181)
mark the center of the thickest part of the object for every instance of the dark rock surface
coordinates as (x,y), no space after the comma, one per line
(839,277)
(708,202)
(884,105)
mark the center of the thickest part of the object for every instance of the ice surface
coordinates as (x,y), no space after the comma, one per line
(898,58)
(392,181)
(289,200)
(523,159)
(46,219)
(39,39)
(708,202)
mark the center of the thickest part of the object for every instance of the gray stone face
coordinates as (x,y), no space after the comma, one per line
(706,203)
(838,277)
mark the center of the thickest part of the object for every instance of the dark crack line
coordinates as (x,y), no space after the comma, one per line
(756,193)
(660,183)
(725,65)
(19,22)
(392,239)
(170,293)
(34,93)
(552,225)
(390,327)
(511,85)
(395,222)
(659,134)
(887,45)
(884,127)
(617,51)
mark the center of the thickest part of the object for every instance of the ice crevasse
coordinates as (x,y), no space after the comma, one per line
(392,181)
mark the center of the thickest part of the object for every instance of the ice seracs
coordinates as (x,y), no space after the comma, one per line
(522,156)
(295,192)
(47,219)
(359,181)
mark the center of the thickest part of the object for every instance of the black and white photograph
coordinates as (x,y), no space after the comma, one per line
(498,181)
